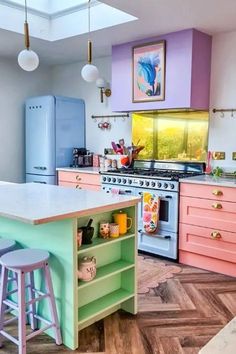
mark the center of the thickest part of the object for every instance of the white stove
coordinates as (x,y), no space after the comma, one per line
(161,180)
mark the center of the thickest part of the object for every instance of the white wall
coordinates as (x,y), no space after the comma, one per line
(222,133)
(67,81)
(16,86)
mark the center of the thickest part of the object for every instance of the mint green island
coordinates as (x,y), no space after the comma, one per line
(47,217)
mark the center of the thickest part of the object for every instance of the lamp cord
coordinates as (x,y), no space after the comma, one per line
(89,24)
(26,12)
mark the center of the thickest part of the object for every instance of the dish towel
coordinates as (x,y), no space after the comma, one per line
(151,207)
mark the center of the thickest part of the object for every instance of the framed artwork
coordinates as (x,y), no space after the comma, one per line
(149,72)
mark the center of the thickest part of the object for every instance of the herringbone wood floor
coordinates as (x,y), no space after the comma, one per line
(178,317)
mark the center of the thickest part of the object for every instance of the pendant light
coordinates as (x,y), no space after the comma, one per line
(89,72)
(27,58)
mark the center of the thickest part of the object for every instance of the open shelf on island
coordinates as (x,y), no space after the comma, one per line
(100,242)
(96,307)
(107,271)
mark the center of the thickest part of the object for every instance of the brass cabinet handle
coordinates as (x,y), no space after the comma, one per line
(78,186)
(217,192)
(215,235)
(217,206)
(78,178)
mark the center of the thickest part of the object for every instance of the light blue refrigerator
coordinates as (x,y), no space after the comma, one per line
(53,127)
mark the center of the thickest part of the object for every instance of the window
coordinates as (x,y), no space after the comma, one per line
(171,135)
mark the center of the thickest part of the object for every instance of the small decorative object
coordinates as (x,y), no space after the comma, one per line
(122,220)
(87,268)
(79,237)
(104,230)
(114,164)
(114,230)
(87,233)
(149,72)
(217,172)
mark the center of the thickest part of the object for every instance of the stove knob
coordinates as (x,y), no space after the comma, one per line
(119,180)
(153,184)
(159,184)
(165,185)
(141,183)
(109,179)
(130,181)
(124,180)
(172,186)
(104,179)
(147,183)
(113,179)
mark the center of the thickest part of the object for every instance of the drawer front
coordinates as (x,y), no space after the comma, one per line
(208,192)
(212,264)
(208,213)
(74,177)
(90,187)
(208,242)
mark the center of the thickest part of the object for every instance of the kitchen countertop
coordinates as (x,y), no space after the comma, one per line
(38,204)
(94,170)
(207,179)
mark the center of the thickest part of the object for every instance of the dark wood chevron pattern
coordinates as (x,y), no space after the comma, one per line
(178,317)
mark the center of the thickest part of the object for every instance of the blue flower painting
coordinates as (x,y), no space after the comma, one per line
(148,72)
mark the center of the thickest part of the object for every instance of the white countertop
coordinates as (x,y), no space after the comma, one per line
(207,179)
(94,170)
(37,204)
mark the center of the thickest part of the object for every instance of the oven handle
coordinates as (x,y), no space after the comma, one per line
(166,237)
(161,196)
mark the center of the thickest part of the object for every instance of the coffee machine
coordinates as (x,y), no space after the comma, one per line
(82,158)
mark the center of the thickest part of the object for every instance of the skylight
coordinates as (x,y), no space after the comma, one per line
(49,7)
(58,19)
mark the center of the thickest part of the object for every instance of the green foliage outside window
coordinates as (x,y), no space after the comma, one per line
(171,135)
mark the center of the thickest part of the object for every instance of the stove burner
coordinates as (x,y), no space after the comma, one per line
(170,175)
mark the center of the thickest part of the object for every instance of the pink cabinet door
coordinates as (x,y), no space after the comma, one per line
(90,187)
(78,177)
(208,242)
(208,213)
(208,192)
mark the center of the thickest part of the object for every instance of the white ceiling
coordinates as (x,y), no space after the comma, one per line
(154,17)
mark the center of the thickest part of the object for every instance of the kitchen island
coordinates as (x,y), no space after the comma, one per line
(47,217)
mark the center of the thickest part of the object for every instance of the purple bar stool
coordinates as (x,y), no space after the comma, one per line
(22,262)
(6,246)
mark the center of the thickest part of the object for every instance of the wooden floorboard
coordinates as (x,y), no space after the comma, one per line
(178,317)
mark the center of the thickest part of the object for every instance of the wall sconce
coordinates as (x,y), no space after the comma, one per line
(104,90)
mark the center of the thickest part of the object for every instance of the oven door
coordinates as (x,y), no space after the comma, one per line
(163,243)
(168,213)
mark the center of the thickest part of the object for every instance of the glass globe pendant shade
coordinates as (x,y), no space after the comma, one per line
(28,60)
(90,73)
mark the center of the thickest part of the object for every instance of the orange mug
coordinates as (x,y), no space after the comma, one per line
(122,220)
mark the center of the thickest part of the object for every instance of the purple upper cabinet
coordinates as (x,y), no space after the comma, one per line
(188,63)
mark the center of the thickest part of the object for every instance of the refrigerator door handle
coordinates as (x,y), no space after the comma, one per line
(42,168)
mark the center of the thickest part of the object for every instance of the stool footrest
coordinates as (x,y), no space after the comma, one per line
(39,331)
(11,304)
(43,320)
(8,336)
(33,301)
(10,320)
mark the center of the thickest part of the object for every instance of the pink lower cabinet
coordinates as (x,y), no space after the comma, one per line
(207,229)
(79,180)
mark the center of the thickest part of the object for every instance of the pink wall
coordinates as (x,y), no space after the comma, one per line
(188,55)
